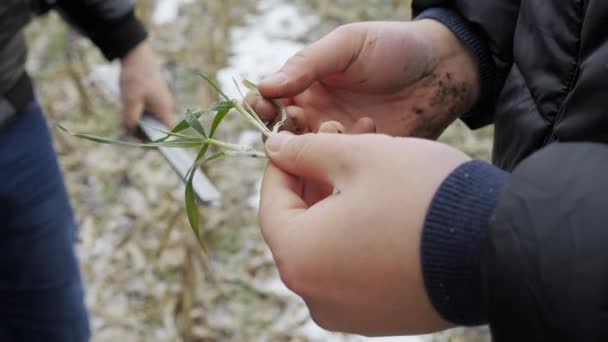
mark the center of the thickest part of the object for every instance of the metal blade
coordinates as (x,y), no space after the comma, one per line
(181,160)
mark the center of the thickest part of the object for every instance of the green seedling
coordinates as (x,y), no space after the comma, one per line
(201,141)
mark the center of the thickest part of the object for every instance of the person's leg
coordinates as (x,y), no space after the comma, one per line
(41,293)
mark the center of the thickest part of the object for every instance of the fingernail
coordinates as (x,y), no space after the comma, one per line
(276,141)
(276,79)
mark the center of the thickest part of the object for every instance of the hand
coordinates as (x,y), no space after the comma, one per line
(312,190)
(142,86)
(354,255)
(411,79)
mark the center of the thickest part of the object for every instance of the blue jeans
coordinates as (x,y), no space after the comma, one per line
(41,293)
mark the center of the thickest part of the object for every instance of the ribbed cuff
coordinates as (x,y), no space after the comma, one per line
(455,226)
(120,37)
(487,69)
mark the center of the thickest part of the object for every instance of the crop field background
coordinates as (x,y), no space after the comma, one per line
(145,277)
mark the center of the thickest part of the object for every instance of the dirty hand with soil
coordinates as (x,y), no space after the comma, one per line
(410,79)
(343,214)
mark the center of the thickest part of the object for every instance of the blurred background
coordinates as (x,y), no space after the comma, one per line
(146,279)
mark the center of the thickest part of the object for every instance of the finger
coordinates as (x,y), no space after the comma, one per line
(296,122)
(263,107)
(362,126)
(160,102)
(330,55)
(315,191)
(280,202)
(132,108)
(331,127)
(327,158)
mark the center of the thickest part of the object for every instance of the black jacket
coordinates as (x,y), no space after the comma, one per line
(110,24)
(545,259)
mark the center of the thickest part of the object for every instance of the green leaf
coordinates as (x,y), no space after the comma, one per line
(237,87)
(215,86)
(171,134)
(216,121)
(222,105)
(190,197)
(250,85)
(202,152)
(194,123)
(216,156)
(183,125)
(180,142)
(219,116)
(191,207)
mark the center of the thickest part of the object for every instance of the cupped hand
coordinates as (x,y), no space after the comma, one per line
(410,78)
(353,253)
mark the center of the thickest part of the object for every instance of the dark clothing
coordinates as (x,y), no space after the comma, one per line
(110,24)
(545,266)
(14,15)
(456,223)
(551,65)
(41,294)
(529,245)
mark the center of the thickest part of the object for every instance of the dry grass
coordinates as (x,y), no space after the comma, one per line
(146,279)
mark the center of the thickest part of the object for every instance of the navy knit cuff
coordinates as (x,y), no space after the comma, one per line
(470,37)
(452,236)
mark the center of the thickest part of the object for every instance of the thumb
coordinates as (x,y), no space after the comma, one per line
(331,54)
(327,158)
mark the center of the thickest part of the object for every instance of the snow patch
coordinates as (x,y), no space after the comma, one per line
(265,42)
(166,11)
(250,138)
(106,77)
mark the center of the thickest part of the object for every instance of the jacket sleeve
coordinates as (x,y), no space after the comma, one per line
(545,268)
(110,24)
(493,22)
(527,251)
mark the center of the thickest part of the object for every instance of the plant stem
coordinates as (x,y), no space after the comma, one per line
(252,154)
(259,125)
(283,111)
(253,113)
(174,134)
(253,87)
(235,150)
(228,146)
